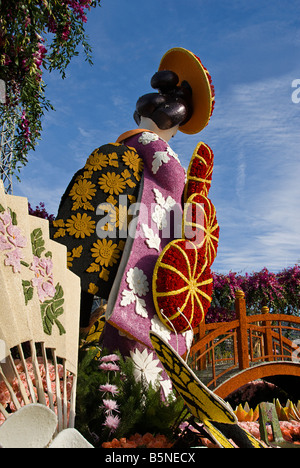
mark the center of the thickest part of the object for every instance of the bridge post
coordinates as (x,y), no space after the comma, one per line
(268,340)
(242,331)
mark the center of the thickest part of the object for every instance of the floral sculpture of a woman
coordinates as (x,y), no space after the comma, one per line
(139,185)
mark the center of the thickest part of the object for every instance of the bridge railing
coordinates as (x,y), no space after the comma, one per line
(221,349)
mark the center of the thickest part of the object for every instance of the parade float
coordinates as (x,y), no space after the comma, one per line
(136,232)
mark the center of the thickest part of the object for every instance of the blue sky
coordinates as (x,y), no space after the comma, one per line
(252,50)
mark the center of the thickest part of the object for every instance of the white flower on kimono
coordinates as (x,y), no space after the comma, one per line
(159,158)
(159,217)
(152,240)
(158,327)
(137,281)
(147,137)
(166,203)
(145,367)
(164,206)
(139,286)
(173,154)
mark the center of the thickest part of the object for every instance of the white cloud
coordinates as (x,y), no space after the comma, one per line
(256,140)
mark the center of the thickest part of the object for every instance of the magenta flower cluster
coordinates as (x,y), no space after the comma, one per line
(36,35)
(279,291)
(110,406)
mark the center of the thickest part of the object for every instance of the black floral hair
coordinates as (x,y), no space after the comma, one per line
(171,106)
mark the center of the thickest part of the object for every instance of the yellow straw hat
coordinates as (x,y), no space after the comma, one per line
(188,67)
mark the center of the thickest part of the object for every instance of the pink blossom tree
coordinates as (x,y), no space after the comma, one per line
(279,291)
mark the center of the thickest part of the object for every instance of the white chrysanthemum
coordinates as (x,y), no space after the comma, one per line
(137,281)
(145,367)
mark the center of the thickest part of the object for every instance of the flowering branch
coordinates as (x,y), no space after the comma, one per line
(280,292)
(36,35)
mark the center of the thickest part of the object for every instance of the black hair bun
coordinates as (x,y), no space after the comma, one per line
(147,104)
(171,106)
(164,81)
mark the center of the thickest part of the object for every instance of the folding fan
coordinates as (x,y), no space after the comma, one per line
(39,316)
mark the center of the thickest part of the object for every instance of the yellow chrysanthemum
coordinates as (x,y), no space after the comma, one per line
(96,161)
(112,183)
(93,289)
(132,159)
(83,191)
(105,252)
(80,225)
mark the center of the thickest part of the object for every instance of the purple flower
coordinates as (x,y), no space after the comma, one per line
(113,389)
(43,280)
(11,240)
(112,422)
(110,358)
(13,259)
(109,366)
(110,405)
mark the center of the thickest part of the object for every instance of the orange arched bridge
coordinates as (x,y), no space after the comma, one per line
(228,355)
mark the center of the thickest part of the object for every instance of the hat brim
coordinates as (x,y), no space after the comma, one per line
(188,67)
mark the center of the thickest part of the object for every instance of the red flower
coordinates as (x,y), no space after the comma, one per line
(182,285)
(200,171)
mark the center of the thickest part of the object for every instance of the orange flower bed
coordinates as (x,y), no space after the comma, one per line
(138,441)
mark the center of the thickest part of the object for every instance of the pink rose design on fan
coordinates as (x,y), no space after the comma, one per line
(11,239)
(43,279)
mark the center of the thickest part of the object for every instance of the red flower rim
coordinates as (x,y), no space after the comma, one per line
(200,171)
(182,286)
(200,225)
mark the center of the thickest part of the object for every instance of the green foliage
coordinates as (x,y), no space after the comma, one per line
(36,35)
(51,310)
(279,291)
(140,407)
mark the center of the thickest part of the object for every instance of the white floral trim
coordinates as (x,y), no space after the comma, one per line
(159,158)
(161,209)
(173,154)
(152,240)
(159,217)
(158,327)
(139,286)
(167,203)
(147,137)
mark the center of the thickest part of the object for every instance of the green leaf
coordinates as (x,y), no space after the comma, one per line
(51,309)
(27,291)
(37,242)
